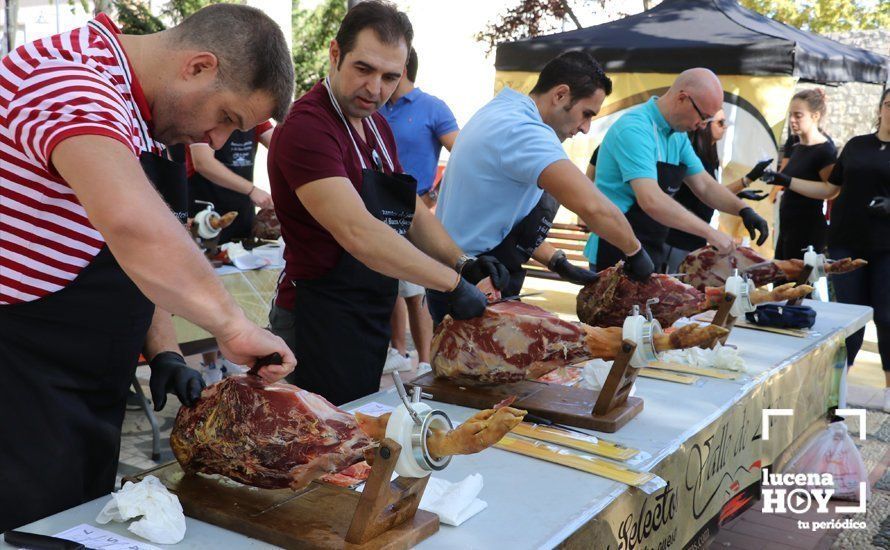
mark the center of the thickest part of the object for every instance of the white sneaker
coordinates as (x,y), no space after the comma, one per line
(230,369)
(423,368)
(395,361)
(887,400)
(210,373)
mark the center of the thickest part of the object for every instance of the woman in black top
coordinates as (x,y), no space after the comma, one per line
(704,142)
(801,220)
(860,228)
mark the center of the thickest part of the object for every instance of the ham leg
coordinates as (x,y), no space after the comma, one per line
(482,430)
(705,267)
(513,341)
(608,300)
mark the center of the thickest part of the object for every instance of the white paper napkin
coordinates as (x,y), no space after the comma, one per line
(454,503)
(162,519)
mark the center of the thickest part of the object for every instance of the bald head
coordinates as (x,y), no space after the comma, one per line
(704,86)
(695,95)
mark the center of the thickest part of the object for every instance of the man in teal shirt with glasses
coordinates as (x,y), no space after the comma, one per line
(644,159)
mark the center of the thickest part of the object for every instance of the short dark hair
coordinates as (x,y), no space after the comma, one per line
(389,24)
(411,72)
(577,70)
(251,50)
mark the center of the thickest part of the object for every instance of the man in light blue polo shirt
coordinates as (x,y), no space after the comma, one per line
(508,173)
(644,159)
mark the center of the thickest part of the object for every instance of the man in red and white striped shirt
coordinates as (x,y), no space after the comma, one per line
(88,245)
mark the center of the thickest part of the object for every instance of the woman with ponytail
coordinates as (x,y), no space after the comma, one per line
(811,157)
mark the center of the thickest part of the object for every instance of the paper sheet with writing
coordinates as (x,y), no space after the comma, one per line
(93,537)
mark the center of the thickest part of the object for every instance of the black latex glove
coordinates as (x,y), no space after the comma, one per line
(572,273)
(775,178)
(639,266)
(880,207)
(466,301)
(758,170)
(486,266)
(753,222)
(170,374)
(752,195)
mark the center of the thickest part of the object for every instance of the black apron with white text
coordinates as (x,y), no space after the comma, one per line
(342,319)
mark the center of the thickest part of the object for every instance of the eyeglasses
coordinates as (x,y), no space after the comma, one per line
(704,118)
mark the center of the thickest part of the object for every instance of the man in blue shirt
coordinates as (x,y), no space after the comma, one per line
(646,156)
(422,124)
(508,174)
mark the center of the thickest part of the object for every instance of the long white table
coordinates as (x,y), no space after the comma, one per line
(534,504)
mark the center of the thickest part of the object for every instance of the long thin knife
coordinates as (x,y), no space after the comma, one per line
(516,297)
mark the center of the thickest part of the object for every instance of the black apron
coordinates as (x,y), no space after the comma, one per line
(66,362)
(519,244)
(650,233)
(237,155)
(342,319)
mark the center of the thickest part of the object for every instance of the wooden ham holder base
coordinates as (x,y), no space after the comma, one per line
(383,515)
(802,279)
(605,411)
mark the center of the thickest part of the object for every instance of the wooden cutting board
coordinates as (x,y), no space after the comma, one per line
(561,404)
(315,517)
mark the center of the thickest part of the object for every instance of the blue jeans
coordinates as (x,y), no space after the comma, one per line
(866,287)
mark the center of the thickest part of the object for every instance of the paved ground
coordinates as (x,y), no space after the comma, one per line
(752,530)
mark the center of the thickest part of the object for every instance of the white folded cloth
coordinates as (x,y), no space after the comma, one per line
(454,503)
(162,519)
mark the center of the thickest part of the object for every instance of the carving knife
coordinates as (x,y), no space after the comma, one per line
(516,297)
(21,539)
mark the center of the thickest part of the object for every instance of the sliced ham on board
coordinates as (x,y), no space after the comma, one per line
(706,267)
(607,301)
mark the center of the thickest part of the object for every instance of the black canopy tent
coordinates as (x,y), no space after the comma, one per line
(718,34)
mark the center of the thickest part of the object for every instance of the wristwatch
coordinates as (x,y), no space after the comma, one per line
(557,256)
(462,261)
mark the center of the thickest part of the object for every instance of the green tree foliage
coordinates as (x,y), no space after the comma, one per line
(135,17)
(528,18)
(313,31)
(824,16)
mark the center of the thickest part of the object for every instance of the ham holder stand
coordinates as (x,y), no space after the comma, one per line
(203,231)
(384,515)
(606,410)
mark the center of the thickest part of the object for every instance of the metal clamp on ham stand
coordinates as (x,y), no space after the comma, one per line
(385,504)
(206,229)
(637,351)
(736,302)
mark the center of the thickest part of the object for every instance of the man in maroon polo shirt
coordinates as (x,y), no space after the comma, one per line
(351,221)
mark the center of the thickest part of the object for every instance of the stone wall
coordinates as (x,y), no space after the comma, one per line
(852,108)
